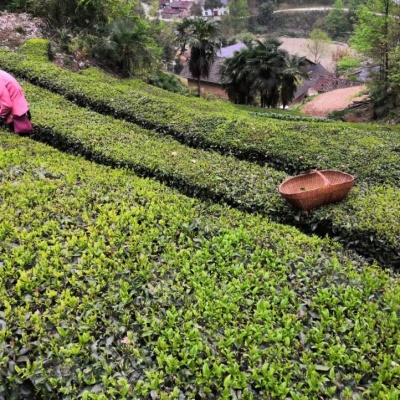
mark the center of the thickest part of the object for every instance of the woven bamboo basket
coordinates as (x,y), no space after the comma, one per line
(316,188)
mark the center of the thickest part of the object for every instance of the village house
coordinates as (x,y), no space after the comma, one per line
(175,9)
(215,12)
(163,3)
(213,83)
(321,83)
(180,9)
(319,80)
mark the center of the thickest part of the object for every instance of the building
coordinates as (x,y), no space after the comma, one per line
(175,9)
(213,84)
(321,82)
(319,79)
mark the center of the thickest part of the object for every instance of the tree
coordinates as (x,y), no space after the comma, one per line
(238,15)
(262,70)
(76,15)
(196,10)
(292,73)
(183,32)
(337,23)
(376,32)
(235,78)
(266,12)
(376,36)
(319,44)
(352,6)
(164,37)
(246,37)
(202,36)
(129,42)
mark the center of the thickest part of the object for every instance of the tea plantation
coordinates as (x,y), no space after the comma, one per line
(371,213)
(116,286)
(289,145)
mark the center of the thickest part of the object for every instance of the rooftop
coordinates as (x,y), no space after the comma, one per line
(228,51)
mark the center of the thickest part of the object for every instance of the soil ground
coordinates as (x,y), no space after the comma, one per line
(15,28)
(300,47)
(336,100)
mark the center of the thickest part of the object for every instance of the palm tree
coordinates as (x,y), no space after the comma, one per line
(235,77)
(182,33)
(295,70)
(130,43)
(262,69)
(202,36)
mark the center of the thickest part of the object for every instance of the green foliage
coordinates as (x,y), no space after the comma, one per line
(17,5)
(262,70)
(115,287)
(337,23)
(168,82)
(236,20)
(36,50)
(292,146)
(212,4)
(267,9)
(293,24)
(76,15)
(221,125)
(347,64)
(376,36)
(383,98)
(207,175)
(319,44)
(130,45)
(64,37)
(289,117)
(375,33)
(202,36)
(246,37)
(164,37)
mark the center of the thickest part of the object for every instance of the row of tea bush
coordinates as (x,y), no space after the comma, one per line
(371,153)
(117,287)
(368,220)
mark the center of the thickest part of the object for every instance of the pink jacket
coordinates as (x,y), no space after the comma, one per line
(12,99)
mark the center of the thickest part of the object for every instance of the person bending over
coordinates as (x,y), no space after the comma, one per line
(13,103)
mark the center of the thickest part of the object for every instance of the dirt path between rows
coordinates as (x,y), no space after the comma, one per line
(335,100)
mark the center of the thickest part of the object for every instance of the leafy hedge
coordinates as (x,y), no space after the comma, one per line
(288,117)
(368,221)
(370,153)
(115,287)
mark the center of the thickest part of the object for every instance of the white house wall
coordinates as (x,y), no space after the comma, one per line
(221,11)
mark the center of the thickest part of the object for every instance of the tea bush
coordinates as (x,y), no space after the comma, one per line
(370,153)
(367,221)
(116,287)
(289,117)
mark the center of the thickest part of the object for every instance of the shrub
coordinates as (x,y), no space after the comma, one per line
(292,146)
(116,287)
(208,175)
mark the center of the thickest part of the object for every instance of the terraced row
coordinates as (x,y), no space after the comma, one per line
(116,287)
(368,221)
(372,154)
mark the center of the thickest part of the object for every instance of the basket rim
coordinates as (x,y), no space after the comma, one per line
(331,185)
